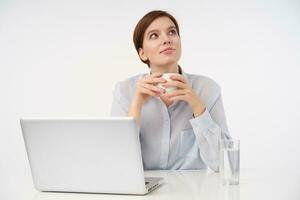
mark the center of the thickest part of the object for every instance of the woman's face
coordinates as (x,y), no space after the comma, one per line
(161,45)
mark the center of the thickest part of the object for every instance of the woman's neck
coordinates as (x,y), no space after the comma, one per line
(165,69)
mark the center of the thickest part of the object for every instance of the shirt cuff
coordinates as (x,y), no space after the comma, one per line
(202,122)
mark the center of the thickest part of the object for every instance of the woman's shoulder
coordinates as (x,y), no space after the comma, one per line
(130,82)
(127,86)
(208,89)
(201,81)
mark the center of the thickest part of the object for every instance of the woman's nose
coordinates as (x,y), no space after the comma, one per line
(166,39)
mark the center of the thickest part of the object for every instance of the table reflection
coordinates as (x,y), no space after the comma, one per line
(189,184)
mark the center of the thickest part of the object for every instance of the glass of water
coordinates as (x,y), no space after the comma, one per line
(230,161)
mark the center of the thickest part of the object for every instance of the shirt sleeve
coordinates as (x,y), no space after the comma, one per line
(209,128)
(118,108)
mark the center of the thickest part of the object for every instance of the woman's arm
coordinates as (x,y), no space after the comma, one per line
(135,110)
(209,128)
(145,88)
(209,124)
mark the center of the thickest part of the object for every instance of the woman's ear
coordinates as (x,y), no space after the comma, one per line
(142,54)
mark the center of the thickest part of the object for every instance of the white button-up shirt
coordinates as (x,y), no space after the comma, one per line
(171,138)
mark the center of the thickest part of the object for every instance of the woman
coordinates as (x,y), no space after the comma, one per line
(181,129)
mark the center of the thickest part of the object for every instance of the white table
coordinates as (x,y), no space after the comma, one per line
(255,184)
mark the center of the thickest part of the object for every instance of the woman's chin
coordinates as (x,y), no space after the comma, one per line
(168,62)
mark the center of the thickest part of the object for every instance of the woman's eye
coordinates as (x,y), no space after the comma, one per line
(153,36)
(173,32)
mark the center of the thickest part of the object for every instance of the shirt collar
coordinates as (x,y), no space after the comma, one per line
(184,75)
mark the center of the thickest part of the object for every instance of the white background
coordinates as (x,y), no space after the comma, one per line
(62,58)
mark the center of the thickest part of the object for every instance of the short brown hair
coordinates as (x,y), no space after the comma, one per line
(142,25)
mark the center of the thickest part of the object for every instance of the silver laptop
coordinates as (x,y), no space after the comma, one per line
(92,155)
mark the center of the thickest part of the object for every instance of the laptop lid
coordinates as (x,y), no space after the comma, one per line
(94,155)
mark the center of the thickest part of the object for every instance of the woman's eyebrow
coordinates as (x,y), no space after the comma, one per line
(151,31)
(156,30)
(171,27)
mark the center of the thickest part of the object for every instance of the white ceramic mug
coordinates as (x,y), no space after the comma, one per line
(168,89)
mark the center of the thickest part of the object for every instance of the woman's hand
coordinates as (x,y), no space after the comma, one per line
(185,93)
(146,88)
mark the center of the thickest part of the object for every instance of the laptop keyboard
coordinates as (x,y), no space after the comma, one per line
(146,182)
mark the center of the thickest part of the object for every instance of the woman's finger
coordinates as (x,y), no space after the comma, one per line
(177,84)
(148,92)
(175,93)
(152,88)
(152,80)
(178,98)
(178,77)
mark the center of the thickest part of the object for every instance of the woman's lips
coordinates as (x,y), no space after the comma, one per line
(167,51)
